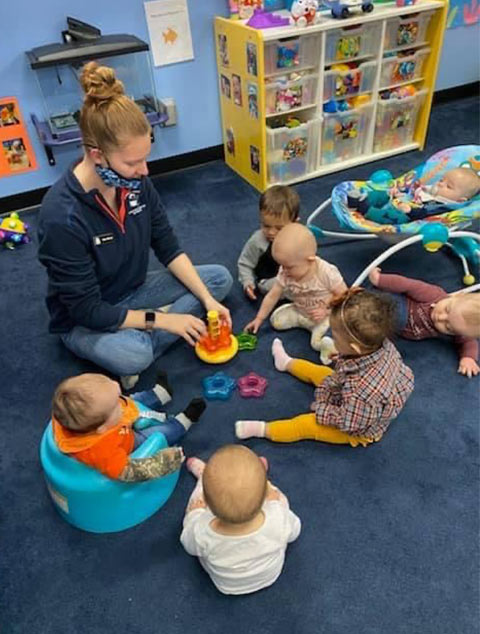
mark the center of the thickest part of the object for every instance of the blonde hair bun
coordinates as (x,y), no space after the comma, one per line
(100,84)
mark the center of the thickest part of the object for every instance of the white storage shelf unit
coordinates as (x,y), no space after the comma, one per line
(306,67)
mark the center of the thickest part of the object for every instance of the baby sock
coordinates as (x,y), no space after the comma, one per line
(162,388)
(195,466)
(192,412)
(327,350)
(250,429)
(280,357)
(129,381)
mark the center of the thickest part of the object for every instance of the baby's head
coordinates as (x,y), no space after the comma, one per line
(458,315)
(295,249)
(458,184)
(279,206)
(361,321)
(87,402)
(234,484)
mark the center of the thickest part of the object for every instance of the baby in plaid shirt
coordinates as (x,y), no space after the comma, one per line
(356,403)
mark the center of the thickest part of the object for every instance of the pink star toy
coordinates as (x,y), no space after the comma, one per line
(252,385)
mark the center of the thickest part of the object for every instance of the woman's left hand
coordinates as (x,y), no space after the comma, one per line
(212,304)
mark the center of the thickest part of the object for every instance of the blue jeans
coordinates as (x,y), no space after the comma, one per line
(130,351)
(170,428)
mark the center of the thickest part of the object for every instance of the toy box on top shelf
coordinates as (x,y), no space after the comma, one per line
(352,42)
(396,121)
(409,30)
(294,53)
(58,66)
(291,151)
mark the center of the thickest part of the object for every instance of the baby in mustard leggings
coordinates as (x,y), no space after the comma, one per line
(356,403)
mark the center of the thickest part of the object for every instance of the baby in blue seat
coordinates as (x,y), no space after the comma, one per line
(95,424)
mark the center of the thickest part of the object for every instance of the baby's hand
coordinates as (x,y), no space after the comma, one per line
(253,325)
(374,276)
(250,292)
(468,367)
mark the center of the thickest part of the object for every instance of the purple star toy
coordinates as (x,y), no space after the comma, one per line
(252,385)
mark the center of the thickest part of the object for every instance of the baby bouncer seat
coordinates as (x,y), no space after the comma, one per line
(446,228)
(93,502)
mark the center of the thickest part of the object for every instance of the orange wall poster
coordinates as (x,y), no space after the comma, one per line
(16,151)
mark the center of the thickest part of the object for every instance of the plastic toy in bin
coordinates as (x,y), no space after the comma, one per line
(341,8)
(13,231)
(219,345)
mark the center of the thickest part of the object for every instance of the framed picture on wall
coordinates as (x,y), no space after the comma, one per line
(16,152)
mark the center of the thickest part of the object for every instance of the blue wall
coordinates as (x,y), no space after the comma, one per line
(192,84)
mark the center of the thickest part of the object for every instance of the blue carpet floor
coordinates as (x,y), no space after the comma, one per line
(389,543)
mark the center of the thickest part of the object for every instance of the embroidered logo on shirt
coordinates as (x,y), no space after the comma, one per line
(133,207)
(103,238)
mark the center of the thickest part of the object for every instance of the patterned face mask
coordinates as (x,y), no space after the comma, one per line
(111,178)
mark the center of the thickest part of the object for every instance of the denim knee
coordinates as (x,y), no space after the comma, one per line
(134,362)
(220,281)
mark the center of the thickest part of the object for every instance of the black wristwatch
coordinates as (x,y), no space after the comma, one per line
(150,320)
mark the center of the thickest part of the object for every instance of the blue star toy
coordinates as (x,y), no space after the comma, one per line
(218,386)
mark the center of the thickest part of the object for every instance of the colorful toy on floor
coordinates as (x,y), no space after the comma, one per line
(252,385)
(219,345)
(247,341)
(218,386)
(13,231)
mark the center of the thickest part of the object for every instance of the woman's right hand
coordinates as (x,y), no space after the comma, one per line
(189,327)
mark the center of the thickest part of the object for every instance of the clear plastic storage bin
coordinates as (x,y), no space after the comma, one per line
(406,31)
(344,134)
(292,53)
(397,70)
(396,120)
(292,152)
(341,84)
(349,43)
(284,94)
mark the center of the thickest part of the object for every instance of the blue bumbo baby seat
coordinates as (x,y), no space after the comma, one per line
(91,501)
(449,224)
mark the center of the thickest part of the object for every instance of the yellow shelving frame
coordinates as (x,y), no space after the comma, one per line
(249,132)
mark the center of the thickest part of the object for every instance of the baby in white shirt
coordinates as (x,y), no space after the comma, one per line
(237,523)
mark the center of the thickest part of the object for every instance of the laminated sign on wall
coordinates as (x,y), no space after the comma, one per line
(16,153)
(169,30)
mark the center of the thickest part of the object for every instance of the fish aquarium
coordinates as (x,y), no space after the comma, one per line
(57,68)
